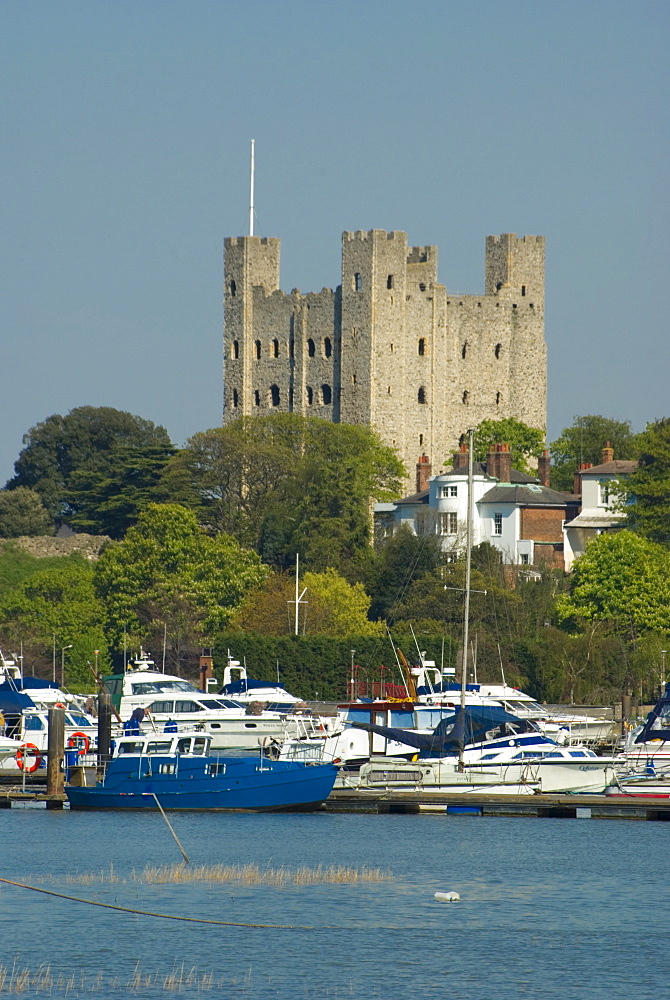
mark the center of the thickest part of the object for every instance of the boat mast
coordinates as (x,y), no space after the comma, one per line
(251,192)
(468,562)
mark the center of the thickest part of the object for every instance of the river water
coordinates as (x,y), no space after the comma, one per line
(550,908)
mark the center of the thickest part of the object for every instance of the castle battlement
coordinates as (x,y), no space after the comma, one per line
(387,347)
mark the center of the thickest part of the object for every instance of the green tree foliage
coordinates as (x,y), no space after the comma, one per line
(58,601)
(624,579)
(17,565)
(283,484)
(108,501)
(647,490)
(583,442)
(330,606)
(525,442)
(404,558)
(23,513)
(167,569)
(87,440)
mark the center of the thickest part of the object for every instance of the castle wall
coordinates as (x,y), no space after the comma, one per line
(390,347)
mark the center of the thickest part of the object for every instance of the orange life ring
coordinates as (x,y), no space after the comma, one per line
(23,752)
(72,742)
(59,704)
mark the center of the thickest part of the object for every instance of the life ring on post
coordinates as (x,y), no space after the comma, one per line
(23,752)
(74,742)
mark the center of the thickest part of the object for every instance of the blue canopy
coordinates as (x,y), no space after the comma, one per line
(657,725)
(13,702)
(459,729)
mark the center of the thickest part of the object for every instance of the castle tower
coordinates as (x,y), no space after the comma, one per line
(389,347)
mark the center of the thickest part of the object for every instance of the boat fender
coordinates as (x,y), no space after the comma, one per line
(24,752)
(72,742)
(447,897)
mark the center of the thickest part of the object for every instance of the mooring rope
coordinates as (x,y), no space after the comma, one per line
(163,916)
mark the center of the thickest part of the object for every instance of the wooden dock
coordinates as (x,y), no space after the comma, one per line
(552,806)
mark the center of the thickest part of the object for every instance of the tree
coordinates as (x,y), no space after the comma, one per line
(167,569)
(284,484)
(647,490)
(86,440)
(331,606)
(622,578)
(23,513)
(583,442)
(58,602)
(108,501)
(405,557)
(525,442)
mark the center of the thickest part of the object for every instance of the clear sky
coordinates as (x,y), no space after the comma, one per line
(125,144)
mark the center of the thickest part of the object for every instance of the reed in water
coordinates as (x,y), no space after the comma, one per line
(249,874)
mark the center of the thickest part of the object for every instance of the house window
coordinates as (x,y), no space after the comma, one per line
(274,395)
(604,493)
(326,395)
(421,395)
(422,346)
(422,522)
(449,523)
(274,349)
(497,524)
(389,281)
(257,398)
(235,350)
(327,347)
(310,395)
(524,558)
(257,345)
(311,350)
(358,282)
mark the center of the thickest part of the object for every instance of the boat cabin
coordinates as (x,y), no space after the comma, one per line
(165,744)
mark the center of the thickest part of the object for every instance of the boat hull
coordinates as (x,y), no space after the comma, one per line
(240,784)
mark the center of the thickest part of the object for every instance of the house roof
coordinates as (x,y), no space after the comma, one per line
(531,495)
(597,519)
(618,466)
(421,497)
(479,469)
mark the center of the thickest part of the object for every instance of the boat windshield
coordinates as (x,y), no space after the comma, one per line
(158,687)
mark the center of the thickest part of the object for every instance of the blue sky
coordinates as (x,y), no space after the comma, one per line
(126,129)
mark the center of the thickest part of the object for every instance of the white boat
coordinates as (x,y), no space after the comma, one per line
(231,723)
(513,758)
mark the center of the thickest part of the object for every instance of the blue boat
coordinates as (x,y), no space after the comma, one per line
(178,771)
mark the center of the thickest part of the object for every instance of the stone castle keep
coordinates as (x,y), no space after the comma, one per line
(390,347)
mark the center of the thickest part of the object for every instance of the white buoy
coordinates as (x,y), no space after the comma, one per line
(447,897)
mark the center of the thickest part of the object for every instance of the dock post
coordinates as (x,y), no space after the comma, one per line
(104,732)
(55,752)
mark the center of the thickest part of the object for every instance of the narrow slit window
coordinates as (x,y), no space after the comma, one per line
(274,395)
(235,352)
(466,397)
(310,395)
(236,398)
(257,345)
(326,395)
(421,395)
(389,281)
(422,346)
(274,349)
(311,350)
(233,288)
(327,347)
(464,349)
(257,398)
(358,282)
(498,350)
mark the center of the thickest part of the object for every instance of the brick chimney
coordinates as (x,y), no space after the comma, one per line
(423,473)
(608,453)
(504,463)
(461,457)
(582,467)
(544,467)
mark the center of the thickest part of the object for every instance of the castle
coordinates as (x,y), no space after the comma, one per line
(390,347)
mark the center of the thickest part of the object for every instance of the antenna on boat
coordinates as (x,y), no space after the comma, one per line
(502,669)
(298,599)
(468,568)
(251,192)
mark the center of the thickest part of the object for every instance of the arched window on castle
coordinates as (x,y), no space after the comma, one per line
(257,346)
(358,282)
(233,288)
(466,397)
(274,395)
(422,346)
(498,350)
(310,395)
(235,350)
(327,347)
(464,349)
(274,348)
(257,398)
(311,350)
(422,396)
(236,398)
(326,395)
